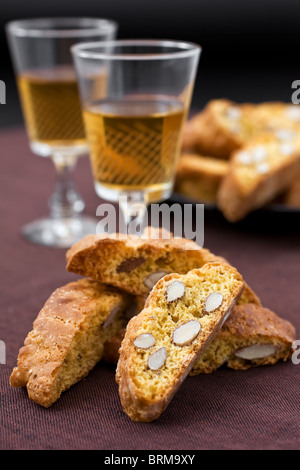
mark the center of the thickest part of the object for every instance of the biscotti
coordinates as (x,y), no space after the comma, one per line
(258,172)
(67,338)
(282,119)
(199,177)
(182,315)
(136,264)
(224,126)
(221,128)
(113,344)
(292,196)
(252,336)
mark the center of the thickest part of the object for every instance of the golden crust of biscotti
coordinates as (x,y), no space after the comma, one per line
(221,128)
(145,392)
(258,172)
(199,177)
(67,338)
(247,325)
(127,262)
(100,257)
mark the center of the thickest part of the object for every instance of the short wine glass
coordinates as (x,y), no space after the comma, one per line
(134,132)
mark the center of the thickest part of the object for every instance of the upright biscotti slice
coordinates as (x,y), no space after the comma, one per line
(67,339)
(252,336)
(222,127)
(113,344)
(136,264)
(260,171)
(182,315)
(199,177)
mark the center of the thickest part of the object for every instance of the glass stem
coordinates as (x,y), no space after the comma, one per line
(134,212)
(65,202)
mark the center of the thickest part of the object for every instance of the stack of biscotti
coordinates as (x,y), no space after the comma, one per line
(200,314)
(266,139)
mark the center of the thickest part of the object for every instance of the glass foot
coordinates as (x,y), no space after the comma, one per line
(60,233)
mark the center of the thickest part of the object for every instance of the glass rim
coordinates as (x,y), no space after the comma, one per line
(75,27)
(185,49)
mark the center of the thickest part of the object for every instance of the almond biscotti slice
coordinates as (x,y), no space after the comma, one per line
(222,127)
(260,171)
(67,338)
(199,177)
(182,315)
(252,336)
(136,264)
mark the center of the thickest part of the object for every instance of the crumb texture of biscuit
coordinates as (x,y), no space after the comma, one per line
(248,327)
(67,339)
(182,315)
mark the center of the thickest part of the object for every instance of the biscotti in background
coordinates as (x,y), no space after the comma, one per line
(277,116)
(256,177)
(252,336)
(260,171)
(136,264)
(199,177)
(225,126)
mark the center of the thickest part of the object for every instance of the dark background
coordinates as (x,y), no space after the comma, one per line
(250,48)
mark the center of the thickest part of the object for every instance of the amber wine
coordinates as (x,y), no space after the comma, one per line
(134,144)
(52,107)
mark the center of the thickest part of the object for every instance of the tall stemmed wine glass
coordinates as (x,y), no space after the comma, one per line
(48,90)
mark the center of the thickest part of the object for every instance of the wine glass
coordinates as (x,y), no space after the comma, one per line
(134,132)
(48,90)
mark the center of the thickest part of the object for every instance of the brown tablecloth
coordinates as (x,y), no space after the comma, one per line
(255,409)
